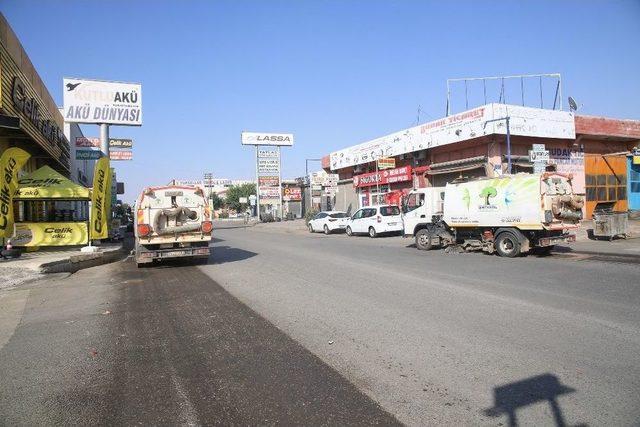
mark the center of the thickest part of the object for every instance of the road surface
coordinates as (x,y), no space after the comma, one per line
(289,327)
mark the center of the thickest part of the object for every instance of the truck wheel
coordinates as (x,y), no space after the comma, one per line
(423,240)
(372,232)
(326,229)
(507,245)
(349,232)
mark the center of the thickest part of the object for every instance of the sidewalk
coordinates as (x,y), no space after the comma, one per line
(32,265)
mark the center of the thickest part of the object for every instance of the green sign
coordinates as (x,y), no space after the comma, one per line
(88,154)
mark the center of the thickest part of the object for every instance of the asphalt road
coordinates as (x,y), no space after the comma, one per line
(441,338)
(326,330)
(159,346)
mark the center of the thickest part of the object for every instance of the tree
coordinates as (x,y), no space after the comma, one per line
(235,192)
(216,201)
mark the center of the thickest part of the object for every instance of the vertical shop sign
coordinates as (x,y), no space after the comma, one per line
(11,162)
(100,199)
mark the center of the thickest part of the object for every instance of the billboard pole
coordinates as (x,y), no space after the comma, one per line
(104,139)
(257,186)
(280,182)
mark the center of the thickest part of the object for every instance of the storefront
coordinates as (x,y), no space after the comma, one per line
(473,144)
(29,118)
(50,210)
(383,187)
(292,199)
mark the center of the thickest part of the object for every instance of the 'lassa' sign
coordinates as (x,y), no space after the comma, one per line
(94,101)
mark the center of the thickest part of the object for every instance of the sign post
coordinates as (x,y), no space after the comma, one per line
(268,163)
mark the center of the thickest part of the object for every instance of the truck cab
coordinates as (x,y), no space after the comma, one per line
(420,206)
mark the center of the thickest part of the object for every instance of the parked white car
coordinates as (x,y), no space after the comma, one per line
(328,222)
(375,220)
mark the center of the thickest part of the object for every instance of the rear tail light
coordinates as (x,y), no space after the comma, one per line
(140,216)
(207,226)
(144,230)
(379,219)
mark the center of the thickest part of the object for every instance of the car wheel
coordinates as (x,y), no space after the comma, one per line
(349,232)
(507,245)
(326,229)
(372,232)
(423,240)
(310,228)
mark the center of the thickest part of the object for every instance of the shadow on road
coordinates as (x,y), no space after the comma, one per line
(542,388)
(224,254)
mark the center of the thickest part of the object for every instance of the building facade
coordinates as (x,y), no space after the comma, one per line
(487,141)
(29,118)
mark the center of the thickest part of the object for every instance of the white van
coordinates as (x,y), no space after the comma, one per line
(375,220)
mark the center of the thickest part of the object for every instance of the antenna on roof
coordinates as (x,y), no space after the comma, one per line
(573,105)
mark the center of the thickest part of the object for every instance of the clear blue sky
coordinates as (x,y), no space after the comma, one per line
(335,73)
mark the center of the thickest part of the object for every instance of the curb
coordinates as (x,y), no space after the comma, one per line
(79,262)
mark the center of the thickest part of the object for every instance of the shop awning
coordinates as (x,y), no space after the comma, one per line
(457,165)
(46,183)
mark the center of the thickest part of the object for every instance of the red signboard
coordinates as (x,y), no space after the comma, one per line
(268,181)
(120,155)
(383,177)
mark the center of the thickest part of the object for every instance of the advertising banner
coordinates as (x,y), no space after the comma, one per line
(50,234)
(265,138)
(11,162)
(94,142)
(100,199)
(523,121)
(268,167)
(120,155)
(88,154)
(386,163)
(292,194)
(120,143)
(268,181)
(267,193)
(265,154)
(96,101)
(383,177)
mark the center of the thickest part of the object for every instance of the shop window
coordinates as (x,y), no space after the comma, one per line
(601,180)
(612,193)
(590,180)
(601,193)
(591,193)
(612,180)
(622,193)
(622,179)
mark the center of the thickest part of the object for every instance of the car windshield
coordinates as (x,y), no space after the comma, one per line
(389,210)
(338,215)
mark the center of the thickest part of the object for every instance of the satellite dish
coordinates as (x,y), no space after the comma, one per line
(573,106)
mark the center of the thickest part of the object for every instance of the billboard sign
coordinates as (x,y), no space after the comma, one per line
(93,142)
(268,181)
(97,101)
(386,163)
(269,193)
(383,177)
(475,123)
(292,194)
(268,167)
(88,154)
(120,143)
(121,155)
(265,138)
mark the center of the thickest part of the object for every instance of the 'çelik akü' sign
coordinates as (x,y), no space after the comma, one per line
(95,101)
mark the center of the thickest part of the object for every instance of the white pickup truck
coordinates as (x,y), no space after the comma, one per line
(509,215)
(172,222)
